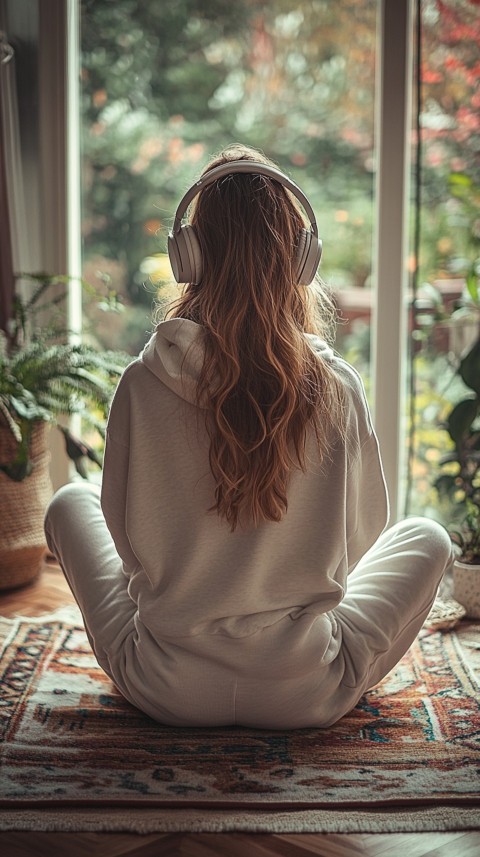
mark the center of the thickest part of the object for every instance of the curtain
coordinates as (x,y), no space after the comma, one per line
(7,280)
(20,224)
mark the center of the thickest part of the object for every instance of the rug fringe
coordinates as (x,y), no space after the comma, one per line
(431,819)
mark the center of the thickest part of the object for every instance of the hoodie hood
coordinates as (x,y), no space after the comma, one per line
(321,347)
(175,352)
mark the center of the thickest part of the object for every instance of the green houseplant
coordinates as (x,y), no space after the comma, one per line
(467,535)
(43,378)
(460,479)
(466,568)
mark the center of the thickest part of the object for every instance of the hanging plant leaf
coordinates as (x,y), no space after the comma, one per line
(17,471)
(470,369)
(10,422)
(28,409)
(77,450)
(460,420)
(445,485)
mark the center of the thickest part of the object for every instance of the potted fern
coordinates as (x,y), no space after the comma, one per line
(43,377)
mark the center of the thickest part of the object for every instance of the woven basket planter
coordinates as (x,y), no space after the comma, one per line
(23,505)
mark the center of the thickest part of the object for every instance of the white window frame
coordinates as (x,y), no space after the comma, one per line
(390,275)
(59,172)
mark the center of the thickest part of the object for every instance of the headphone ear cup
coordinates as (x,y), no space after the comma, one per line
(307,257)
(185,255)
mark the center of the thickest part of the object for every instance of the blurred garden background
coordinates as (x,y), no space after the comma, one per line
(166,85)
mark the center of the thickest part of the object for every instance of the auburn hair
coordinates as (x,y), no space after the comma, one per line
(264,385)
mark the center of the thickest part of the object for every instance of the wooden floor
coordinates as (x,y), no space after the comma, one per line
(50,592)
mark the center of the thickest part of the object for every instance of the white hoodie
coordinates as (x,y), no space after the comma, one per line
(190,576)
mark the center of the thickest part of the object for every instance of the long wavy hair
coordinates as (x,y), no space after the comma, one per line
(265,386)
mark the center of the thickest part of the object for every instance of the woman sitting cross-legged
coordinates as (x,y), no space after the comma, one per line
(237,567)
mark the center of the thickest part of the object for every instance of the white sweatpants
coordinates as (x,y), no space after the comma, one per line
(389,595)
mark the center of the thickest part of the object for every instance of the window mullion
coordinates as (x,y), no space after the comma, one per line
(53,167)
(394,77)
(74,248)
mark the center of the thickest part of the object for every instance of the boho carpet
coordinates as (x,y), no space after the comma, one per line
(77,756)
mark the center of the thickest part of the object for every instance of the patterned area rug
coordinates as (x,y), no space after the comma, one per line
(70,740)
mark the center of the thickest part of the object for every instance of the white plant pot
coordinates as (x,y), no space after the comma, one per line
(466,587)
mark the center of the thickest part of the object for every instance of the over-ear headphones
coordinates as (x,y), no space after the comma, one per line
(183,244)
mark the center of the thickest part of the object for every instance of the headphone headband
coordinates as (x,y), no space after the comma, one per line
(184,246)
(242,166)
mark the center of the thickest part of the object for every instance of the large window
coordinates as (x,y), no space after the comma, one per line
(164,86)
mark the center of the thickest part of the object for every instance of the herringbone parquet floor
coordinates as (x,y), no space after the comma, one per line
(49,592)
